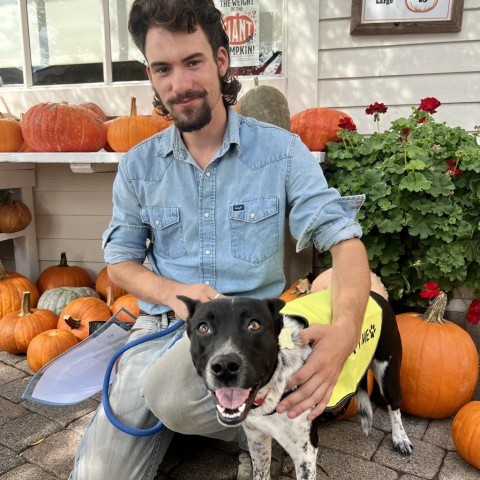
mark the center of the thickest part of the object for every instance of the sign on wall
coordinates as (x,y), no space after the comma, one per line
(241,23)
(405,16)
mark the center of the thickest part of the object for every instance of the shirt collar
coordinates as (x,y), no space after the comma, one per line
(173,142)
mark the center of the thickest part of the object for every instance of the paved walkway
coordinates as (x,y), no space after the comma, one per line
(38,442)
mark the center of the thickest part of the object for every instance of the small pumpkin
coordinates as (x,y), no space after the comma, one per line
(266,104)
(160,121)
(17,329)
(56,299)
(93,107)
(127,131)
(12,285)
(63,275)
(48,345)
(60,127)
(317,126)
(129,303)
(439,371)
(77,315)
(14,216)
(297,289)
(103,282)
(466,433)
(11,138)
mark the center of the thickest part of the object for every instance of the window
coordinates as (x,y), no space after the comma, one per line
(62,42)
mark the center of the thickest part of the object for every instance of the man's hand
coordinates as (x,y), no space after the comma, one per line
(200,291)
(331,346)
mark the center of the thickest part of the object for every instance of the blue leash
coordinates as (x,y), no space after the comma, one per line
(106,382)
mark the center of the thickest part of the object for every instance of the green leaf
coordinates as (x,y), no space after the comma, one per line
(415,182)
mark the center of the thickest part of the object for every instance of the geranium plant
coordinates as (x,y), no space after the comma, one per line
(421,218)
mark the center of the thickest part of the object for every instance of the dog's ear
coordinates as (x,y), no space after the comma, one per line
(190,303)
(275,305)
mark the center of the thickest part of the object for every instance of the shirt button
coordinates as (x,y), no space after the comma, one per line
(207,252)
(157,222)
(252,215)
(207,174)
(206,214)
(207,283)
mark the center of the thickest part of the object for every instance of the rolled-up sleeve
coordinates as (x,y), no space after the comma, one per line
(318,214)
(126,236)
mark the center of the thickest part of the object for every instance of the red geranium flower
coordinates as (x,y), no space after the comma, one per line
(346,123)
(422,120)
(429,104)
(376,108)
(452,168)
(473,314)
(430,290)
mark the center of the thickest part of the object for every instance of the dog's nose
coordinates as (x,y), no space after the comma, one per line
(226,366)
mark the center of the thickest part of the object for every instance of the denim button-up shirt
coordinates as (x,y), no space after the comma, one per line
(223,226)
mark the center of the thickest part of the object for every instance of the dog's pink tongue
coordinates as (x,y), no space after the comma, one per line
(232,397)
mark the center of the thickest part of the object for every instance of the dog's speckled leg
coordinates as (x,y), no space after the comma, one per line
(260,446)
(401,442)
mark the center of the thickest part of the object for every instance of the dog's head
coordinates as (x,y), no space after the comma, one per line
(234,347)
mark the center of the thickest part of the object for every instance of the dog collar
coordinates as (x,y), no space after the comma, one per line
(258,402)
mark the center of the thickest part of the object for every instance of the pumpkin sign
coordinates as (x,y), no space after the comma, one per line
(317,126)
(17,329)
(422,6)
(60,127)
(466,433)
(439,371)
(266,104)
(63,275)
(14,216)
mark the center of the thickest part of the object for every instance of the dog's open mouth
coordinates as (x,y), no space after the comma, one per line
(233,404)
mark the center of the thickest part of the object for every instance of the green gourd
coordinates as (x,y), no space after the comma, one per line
(266,104)
(56,299)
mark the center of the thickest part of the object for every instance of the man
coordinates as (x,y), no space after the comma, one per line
(205,202)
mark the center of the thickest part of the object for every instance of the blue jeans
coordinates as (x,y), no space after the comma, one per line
(165,380)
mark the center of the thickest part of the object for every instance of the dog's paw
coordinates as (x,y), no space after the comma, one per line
(403,447)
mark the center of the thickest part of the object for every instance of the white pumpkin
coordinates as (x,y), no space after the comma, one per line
(55,299)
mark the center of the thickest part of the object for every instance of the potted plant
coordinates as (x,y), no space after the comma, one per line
(421,218)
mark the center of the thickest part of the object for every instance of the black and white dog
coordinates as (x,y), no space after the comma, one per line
(235,349)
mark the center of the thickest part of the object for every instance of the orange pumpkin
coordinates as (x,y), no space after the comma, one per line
(11,139)
(127,131)
(17,329)
(60,127)
(297,289)
(103,282)
(63,275)
(353,407)
(466,433)
(12,285)
(77,315)
(129,303)
(160,121)
(439,371)
(14,216)
(317,126)
(48,345)
(93,107)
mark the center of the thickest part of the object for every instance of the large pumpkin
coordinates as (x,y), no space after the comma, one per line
(63,275)
(439,371)
(317,126)
(14,216)
(93,107)
(267,104)
(12,285)
(48,345)
(17,329)
(77,315)
(56,299)
(11,139)
(466,433)
(129,303)
(127,131)
(60,127)
(103,283)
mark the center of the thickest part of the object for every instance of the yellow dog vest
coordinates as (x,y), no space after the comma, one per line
(316,308)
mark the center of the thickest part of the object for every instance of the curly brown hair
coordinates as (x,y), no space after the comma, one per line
(179,16)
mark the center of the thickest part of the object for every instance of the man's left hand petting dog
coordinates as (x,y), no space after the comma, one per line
(245,350)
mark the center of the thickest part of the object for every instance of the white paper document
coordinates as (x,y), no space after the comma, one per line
(78,373)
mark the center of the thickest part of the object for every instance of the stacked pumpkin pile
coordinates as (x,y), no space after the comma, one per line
(62,127)
(46,319)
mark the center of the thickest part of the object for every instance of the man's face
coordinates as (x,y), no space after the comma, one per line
(186,75)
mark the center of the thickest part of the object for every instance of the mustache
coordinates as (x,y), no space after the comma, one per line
(187,96)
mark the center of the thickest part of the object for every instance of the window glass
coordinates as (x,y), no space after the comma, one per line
(66,41)
(127,61)
(11,60)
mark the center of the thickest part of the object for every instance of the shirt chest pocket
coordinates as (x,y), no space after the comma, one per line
(254,226)
(167,232)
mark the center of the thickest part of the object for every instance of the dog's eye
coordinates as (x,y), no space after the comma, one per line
(203,328)
(254,326)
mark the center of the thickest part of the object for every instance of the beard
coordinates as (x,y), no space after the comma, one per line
(193,118)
